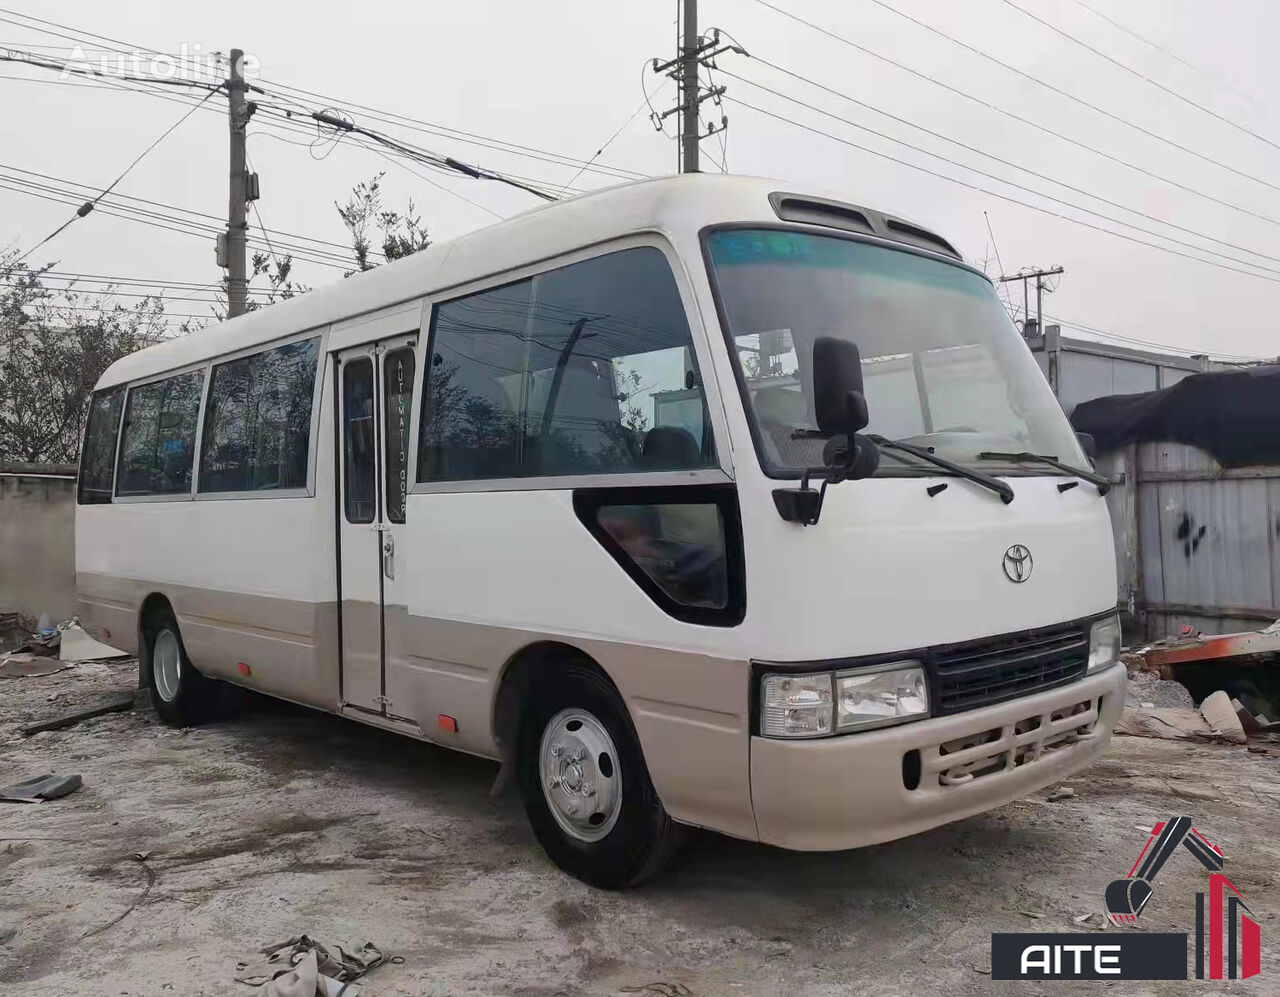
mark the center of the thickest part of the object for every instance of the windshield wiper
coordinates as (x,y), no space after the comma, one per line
(977,477)
(1026,457)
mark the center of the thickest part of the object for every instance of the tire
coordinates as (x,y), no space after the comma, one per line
(181,695)
(632,836)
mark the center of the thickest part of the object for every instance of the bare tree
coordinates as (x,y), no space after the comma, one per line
(53,349)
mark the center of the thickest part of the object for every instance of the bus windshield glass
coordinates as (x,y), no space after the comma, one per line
(942,364)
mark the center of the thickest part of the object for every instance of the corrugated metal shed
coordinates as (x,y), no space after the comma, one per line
(1080,370)
(1195,544)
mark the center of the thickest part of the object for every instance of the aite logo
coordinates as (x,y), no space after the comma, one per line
(1234,944)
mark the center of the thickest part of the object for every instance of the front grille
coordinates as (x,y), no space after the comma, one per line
(994,669)
(963,760)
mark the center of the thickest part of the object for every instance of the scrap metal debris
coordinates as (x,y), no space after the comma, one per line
(24,664)
(77,645)
(303,967)
(39,788)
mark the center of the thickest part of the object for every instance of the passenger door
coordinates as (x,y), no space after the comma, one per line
(375,389)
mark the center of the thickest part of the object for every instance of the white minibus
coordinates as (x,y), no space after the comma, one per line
(695,501)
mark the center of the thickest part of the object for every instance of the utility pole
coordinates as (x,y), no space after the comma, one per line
(689,87)
(1038,276)
(696,51)
(237,202)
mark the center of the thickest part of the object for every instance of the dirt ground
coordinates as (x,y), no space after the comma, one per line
(285,821)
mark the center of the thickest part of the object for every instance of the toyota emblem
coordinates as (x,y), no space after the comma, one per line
(1017,563)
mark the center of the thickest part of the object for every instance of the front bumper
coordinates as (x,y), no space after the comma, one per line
(852,790)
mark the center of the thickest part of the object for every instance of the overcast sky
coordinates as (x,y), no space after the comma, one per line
(564,76)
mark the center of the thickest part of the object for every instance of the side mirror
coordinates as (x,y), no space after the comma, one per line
(838,402)
(1088,445)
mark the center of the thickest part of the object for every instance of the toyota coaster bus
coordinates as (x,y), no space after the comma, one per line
(694,501)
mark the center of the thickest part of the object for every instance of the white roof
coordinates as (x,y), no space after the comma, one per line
(671,205)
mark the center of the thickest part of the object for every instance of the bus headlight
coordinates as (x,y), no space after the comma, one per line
(820,703)
(1104,644)
(875,699)
(795,705)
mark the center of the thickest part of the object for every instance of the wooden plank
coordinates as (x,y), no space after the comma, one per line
(71,719)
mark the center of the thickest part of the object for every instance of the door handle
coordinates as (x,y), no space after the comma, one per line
(388,555)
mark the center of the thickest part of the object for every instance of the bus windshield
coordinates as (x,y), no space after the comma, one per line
(941,363)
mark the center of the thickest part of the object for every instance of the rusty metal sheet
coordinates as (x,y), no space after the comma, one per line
(1210,648)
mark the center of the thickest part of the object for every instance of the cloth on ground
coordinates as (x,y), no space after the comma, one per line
(41,787)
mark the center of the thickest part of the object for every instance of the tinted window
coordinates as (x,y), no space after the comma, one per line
(358,441)
(680,547)
(397,383)
(98,458)
(473,387)
(157,445)
(587,369)
(257,430)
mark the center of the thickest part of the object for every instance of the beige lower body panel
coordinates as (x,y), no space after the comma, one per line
(696,749)
(848,791)
(289,647)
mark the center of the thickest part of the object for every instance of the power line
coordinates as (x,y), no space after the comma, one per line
(991,193)
(992,236)
(510,148)
(89,205)
(444,131)
(1216,78)
(374,113)
(31,59)
(149,296)
(428,158)
(177,225)
(1024,169)
(1011,183)
(132,212)
(401,162)
(1142,76)
(54,182)
(1164,347)
(71,277)
(621,128)
(1035,124)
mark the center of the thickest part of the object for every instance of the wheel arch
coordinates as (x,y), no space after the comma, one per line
(517,678)
(152,606)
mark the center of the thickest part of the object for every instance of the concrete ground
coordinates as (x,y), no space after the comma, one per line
(285,821)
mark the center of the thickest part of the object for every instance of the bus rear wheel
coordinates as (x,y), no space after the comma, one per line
(180,694)
(585,785)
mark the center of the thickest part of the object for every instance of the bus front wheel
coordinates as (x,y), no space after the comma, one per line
(585,785)
(179,693)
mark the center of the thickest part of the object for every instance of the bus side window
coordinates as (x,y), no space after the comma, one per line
(257,430)
(584,369)
(98,457)
(157,446)
(360,487)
